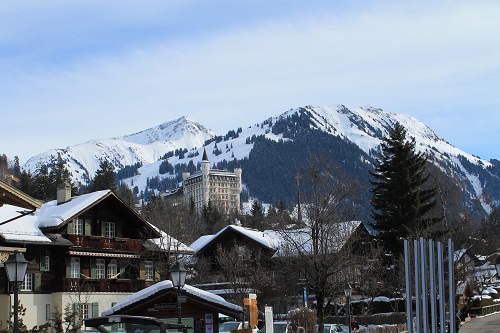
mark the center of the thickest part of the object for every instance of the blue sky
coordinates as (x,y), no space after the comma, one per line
(72,71)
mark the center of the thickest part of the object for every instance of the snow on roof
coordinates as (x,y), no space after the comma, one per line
(52,215)
(171,242)
(277,239)
(165,285)
(258,236)
(27,228)
(301,238)
(201,242)
(23,229)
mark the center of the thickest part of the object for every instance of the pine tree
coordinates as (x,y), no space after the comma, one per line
(402,201)
(257,215)
(104,178)
(41,183)
(58,175)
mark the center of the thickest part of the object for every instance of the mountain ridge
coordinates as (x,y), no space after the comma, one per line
(365,127)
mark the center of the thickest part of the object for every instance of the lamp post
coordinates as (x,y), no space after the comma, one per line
(348,294)
(16,266)
(178,274)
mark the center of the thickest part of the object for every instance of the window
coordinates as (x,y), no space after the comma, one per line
(75,268)
(27,283)
(77,227)
(110,230)
(47,312)
(148,270)
(100,269)
(112,269)
(45,262)
(84,311)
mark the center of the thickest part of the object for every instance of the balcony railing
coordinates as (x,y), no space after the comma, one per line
(101,242)
(103,285)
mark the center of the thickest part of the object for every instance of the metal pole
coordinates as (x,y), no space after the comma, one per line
(418,295)
(442,305)
(423,265)
(16,306)
(451,284)
(179,313)
(349,313)
(432,282)
(409,323)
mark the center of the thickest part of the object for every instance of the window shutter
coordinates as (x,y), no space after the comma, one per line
(142,272)
(37,285)
(88,227)
(68,267)
(118,227)
(41,260)
(93,266)
(95,310)
(103,228)
(69,231)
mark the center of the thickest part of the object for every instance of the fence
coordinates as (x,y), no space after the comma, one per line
(484,310)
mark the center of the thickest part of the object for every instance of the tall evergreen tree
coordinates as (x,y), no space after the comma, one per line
(58,175)
(104,178)
(257,215)
(41,183)
(402,200)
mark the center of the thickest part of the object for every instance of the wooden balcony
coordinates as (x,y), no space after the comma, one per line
(103,285)
(100,242)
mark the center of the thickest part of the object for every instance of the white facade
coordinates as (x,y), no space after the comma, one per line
(221,187)
(39,307)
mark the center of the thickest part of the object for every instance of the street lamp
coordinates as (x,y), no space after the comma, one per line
(16,266)
(348,294)
(178,274)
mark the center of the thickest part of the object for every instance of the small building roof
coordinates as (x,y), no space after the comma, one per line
(257,236)
(12,196)
(163,287)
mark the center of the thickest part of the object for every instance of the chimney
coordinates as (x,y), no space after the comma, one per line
(63,193)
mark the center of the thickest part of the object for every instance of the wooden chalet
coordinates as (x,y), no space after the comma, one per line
(234,235)
(199,309)
(91,250)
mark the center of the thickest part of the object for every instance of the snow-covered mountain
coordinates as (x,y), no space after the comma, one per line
(358,131)
(145,147)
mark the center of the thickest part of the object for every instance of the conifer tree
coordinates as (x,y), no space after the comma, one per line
(257,215)
(104,178)
(402,200)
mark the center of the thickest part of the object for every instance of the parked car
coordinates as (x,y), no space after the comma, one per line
(331,328)
(281,327)
(228,326)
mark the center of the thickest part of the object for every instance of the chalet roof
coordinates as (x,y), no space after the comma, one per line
(18,224)
(279,240)
(257,236)
(155,291)
(301,238)
(12,196)
(21,228)
(168,242)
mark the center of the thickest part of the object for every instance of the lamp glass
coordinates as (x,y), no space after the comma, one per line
(16,266)
(347,290)
(178,274)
